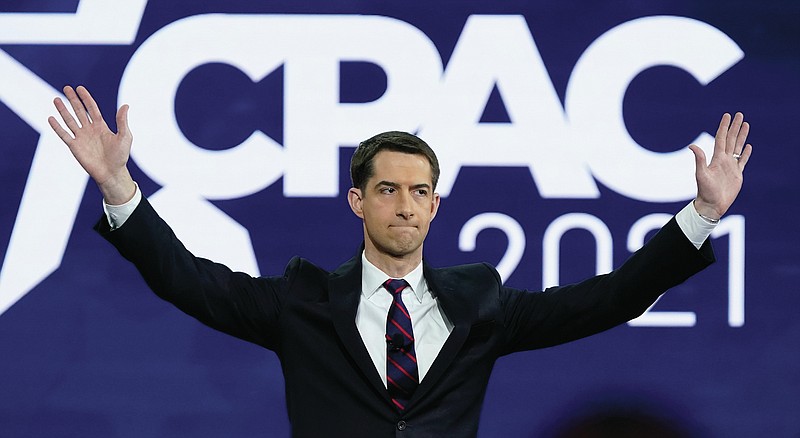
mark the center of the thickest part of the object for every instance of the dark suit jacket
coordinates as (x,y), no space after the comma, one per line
(307,317)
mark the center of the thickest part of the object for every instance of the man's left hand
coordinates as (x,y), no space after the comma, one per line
(719,182)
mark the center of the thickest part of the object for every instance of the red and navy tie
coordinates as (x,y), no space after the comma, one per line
(402,377)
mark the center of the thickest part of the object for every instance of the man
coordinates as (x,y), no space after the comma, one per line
(387,345)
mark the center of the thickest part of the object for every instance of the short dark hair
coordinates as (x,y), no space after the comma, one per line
(361,165)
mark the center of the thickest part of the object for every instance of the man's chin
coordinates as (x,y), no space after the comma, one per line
(402,249)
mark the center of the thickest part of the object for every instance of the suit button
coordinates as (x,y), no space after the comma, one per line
(401,425)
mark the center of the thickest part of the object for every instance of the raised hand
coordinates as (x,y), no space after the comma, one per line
(719,182)
(102,153)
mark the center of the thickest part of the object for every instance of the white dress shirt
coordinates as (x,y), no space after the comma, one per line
(431,327)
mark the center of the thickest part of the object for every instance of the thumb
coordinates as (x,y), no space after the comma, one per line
(122,121)
(699,157)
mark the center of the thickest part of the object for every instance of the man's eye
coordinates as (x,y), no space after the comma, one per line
(387,190)
(422,192)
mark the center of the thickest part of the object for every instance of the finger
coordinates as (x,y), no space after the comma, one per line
(741,138)
(61,132)
(722,132)
(77,105)
(122,121)
(699,158)
(66,115)
(733,133)
(746,152)
(91,105)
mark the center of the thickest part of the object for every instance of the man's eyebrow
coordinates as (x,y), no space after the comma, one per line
(396,185)
(387,183)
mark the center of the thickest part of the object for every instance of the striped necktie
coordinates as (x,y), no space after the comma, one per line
(402,377)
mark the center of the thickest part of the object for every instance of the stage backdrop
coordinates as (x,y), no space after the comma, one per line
(562,129)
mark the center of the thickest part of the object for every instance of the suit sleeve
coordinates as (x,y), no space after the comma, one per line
(232,302)
(565,313)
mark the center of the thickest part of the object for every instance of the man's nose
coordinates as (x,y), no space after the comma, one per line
(405,205)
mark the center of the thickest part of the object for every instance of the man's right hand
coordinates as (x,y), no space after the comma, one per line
(102,153)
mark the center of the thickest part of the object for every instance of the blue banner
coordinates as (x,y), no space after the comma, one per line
(562,129)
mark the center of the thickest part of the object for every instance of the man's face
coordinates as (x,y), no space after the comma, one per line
(397,204)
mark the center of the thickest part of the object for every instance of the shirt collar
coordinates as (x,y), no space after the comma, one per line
(372,279)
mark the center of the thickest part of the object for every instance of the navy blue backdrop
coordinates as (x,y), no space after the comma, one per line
(562,127)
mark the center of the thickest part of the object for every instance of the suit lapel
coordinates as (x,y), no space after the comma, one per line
(345,290)
(460,315)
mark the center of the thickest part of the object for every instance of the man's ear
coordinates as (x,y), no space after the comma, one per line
(435,205)
(354,199)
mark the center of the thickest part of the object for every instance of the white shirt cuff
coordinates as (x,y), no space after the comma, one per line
(693,226)
(118,214)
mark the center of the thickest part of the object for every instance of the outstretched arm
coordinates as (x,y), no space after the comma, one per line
(719,182)
(101,152)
